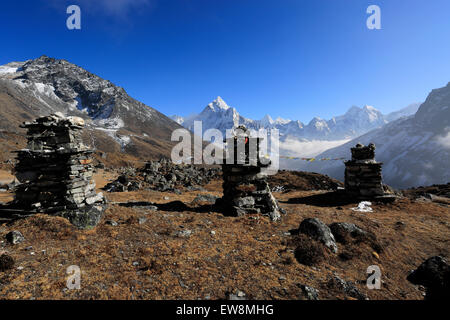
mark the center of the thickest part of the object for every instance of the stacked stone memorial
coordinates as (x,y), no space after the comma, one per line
(56,172)
(245,187)
(363,174)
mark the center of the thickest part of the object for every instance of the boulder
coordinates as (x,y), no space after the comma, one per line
(343,230)
(434,275)
(318,230)
(15,237)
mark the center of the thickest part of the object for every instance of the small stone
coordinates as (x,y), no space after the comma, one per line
(112,223)
(209,198)
(239,295)
(213,233)
(184,233)
(142,220)
(15,237)
(166,198)
(309,293)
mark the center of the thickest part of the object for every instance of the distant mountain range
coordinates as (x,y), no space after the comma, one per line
(355,122)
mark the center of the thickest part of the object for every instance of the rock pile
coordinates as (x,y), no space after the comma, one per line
(164,176)
(363,174)
(245,187)
(56,171)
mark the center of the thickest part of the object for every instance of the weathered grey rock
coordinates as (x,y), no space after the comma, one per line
(238,295)
(84,218)
(112,223)
(184,233)
(309,293)
(318,230)
(434,275)
(244,202)
(346,287)
(15,237)
(205,198)
(342,230)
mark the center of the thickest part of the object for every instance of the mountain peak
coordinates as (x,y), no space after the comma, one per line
(367,107)
(218,104)
(353,109)
(267,120)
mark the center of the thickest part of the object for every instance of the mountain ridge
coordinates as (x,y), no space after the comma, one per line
(356,121)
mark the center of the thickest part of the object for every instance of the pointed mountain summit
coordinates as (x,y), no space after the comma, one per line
(218,104)
(267,121)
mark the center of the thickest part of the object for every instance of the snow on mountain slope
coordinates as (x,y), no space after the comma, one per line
(46,85)
(356,121)
(405,112)
(415,150)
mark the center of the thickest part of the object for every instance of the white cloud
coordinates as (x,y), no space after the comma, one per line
(296,148)
(444,140)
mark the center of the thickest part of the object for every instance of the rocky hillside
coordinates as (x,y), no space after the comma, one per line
(166,245)
(116,121)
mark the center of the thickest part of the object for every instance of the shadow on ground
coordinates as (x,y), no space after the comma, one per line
(328,199)
(176,206)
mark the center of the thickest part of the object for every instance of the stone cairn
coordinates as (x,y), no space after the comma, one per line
(55,171)
(363,174)
(245,187)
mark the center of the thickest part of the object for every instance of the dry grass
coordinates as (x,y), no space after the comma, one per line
(152,261)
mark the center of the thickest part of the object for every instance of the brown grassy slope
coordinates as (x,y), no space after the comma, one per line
(149,260)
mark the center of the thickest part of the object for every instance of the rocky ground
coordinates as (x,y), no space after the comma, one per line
(163,245)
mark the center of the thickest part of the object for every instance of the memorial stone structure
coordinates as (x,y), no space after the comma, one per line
(245,187)
(363,176)
(55,171)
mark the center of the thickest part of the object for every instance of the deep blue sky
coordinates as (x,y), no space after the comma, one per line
(290,58)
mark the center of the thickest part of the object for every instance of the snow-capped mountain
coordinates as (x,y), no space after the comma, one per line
(353,123)
(415,150)
(46,85)
(405,112)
